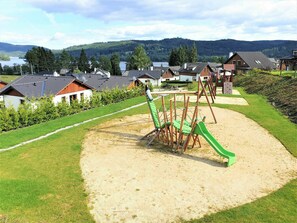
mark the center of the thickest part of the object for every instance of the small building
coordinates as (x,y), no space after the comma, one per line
(245,61)
(192,71)
(30,87)
(289,62)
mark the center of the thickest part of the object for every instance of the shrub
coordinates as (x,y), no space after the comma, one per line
(42,110)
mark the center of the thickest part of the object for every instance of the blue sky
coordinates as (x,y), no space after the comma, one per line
(57,24)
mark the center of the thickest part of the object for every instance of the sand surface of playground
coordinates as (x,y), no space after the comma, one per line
(129,182)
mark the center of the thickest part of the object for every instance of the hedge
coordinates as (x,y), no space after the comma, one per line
(42,110)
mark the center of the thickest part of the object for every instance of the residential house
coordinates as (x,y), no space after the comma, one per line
(289,62)
(30,87)
(245,61)
(192,71)
(155,76)
(103,82)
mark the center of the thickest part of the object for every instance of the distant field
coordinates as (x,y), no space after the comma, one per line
(8,78)
(292,73)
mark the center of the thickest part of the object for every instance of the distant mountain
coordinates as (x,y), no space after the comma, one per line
(14,50)
(159,50)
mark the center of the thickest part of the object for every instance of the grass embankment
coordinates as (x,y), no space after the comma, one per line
(42,182)
(279,206)
(281,92)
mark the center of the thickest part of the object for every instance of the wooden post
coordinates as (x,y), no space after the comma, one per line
(165,119)
(171,125)
(203,89)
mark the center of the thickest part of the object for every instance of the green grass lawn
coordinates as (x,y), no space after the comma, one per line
(8,78)
(291,73)
(41,181)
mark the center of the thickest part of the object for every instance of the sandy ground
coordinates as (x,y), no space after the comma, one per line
(218,100)
(130,182)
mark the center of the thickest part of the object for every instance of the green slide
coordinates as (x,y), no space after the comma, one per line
(201,129)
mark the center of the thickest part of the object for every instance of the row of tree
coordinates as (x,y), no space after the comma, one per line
(41,59)
(183,54)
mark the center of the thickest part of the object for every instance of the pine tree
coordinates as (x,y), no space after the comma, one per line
(65,60)
(94,63)
(139,59)
(104,63)
(83,62)
(173,58)
(193,56)
(115,65)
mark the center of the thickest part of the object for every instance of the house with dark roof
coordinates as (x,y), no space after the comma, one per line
(30,87)
(192,71)
(155,76)
(289,62)
(102,82)
(245,61)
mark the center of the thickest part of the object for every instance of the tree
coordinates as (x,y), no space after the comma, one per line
(182,55)
(115,65)
(104,63)
(41,59)
(192,54)
(65,60)
(139,59)
(94,63)
(83,62)
(1,69)
(173,58)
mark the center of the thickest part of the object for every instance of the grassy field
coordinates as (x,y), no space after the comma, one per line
(291,73)
(41,182)
(8,78)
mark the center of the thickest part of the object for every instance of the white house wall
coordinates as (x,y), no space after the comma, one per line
(12,101)
(15,101)
(87,95)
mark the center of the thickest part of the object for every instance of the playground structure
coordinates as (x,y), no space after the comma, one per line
(225,81)
(181,128)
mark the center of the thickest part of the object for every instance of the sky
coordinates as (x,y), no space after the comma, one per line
(57,24)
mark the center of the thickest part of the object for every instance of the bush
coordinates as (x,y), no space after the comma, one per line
(43,110)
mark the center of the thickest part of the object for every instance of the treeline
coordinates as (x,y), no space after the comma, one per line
(43,110)
(41,59)
(280,91)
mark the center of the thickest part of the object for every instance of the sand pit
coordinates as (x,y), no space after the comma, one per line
(129,182)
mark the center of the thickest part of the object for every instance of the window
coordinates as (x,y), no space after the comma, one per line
(22,101)
(64,99)
(72,97)
(82,96)
(238,62)
(233,61)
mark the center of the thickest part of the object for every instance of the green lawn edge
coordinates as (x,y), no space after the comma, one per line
(279,206)
(17,136)
(42,181)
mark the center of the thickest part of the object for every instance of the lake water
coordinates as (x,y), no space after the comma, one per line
(18,61)
(13,60)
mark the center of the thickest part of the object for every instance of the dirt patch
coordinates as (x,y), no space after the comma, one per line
(129,182)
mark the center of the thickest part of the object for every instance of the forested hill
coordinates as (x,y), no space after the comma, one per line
(14,50)
(159,50)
